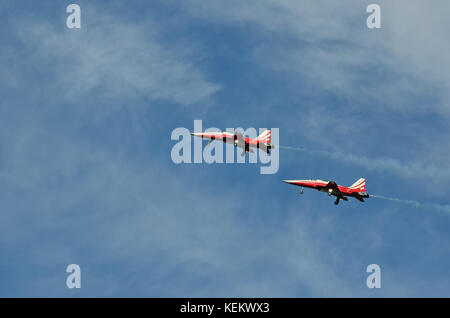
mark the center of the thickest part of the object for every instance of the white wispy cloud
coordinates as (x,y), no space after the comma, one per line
(330,45)
(115,59)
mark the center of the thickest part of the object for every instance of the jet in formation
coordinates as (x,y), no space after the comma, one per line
(356,190)
(238,140)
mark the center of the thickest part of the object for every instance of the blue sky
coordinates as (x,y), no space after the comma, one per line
(85,122)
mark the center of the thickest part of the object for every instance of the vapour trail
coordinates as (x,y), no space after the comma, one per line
(407,170)
(417,204)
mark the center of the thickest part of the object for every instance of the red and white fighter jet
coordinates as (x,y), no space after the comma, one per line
(238,140)
(356,190)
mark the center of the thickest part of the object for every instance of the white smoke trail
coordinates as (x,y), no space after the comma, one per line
(391,165)
(417,204)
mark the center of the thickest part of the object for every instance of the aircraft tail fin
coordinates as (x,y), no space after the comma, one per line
(264,137)
(359,185)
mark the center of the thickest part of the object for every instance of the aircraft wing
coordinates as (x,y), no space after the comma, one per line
(263,147)
(332,185)
(239,139)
